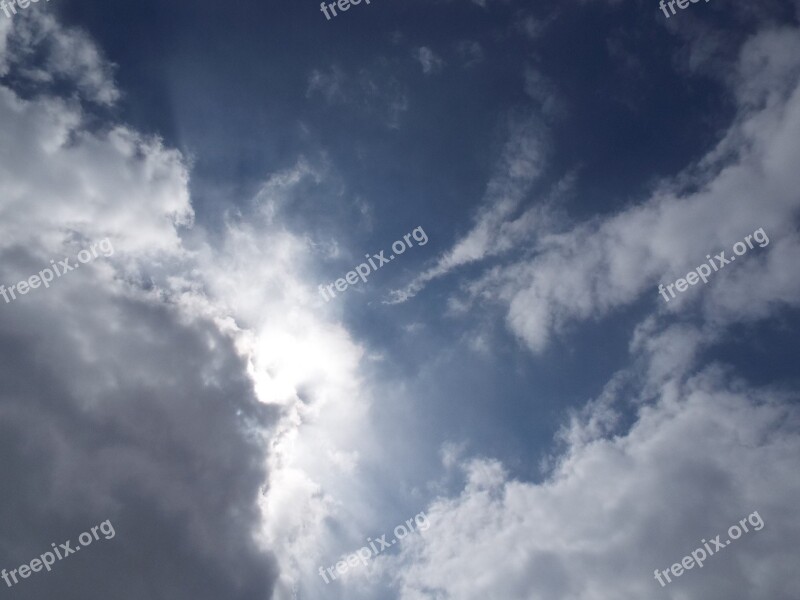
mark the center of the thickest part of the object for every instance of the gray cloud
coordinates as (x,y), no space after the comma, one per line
(121,400)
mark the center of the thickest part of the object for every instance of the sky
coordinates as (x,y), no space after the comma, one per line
(442,300)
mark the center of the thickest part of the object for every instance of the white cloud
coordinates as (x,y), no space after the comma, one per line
(169,345)
(117,381)
(155,356)
(626,496)
(615,508)
(43,51)
(521,163)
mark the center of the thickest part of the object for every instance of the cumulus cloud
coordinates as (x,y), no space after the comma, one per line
(706,454)
(162,387)
(304,364)
(156,388)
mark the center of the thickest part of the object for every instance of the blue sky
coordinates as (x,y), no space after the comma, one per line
(516,379)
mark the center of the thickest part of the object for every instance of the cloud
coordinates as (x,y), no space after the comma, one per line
(431,63)
(161,388)
(470,52)
(332,85)
(520,164)
(530,26)
(43,53)
(706,454)
(370,91)
(602,265)
(125,396)
(305,365)
(593,268)
(543,92)
(672,452)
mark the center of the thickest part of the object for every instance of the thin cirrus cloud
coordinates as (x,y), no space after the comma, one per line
(430,61)
(370,91)
(522,161)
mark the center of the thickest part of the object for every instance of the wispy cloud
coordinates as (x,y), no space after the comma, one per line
(522,161)
(430,61)
(370,91)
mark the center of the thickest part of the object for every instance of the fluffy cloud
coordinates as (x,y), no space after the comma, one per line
(606,264)
(161,387)
(706,454)
(129,384)
(44,53)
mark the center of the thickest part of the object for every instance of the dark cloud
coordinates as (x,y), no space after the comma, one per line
(113,409)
